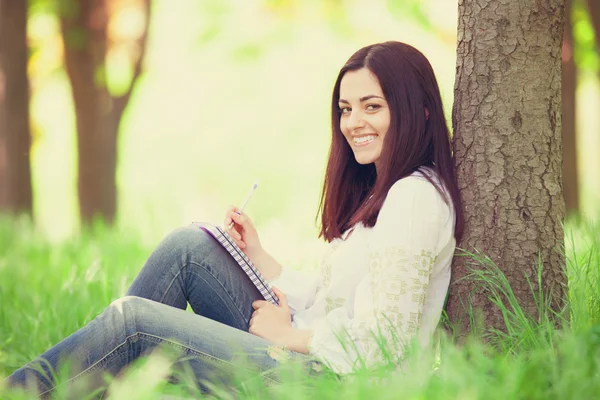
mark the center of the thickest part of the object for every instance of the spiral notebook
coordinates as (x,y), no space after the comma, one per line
(225,240)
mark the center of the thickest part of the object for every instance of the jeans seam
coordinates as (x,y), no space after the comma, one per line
(162,299)
(200,354)
(156,339)
(92,367)
(203,266)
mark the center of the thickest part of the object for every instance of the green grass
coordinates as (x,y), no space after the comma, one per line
(174,134)
(48,291)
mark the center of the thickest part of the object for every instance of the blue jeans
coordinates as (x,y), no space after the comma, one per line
(188,266)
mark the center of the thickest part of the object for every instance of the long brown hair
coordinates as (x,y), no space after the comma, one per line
(412,141)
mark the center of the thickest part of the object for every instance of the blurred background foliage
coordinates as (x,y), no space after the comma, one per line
(234,90)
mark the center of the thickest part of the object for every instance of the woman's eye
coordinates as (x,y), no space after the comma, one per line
(345,110)
(373,107)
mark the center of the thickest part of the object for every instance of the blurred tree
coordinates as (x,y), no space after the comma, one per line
(98,112)
(594,10)
(15,135)
(594,13)
(569,125)
(507,143)
(587,59)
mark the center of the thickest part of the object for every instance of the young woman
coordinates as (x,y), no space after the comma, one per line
(390,210)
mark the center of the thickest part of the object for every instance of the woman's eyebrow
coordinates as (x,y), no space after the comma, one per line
(362,99)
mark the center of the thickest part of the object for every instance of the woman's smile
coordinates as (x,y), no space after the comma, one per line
(363,140)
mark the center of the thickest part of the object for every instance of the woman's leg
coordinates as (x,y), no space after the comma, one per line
(190,266)
(131,327)
(187,266)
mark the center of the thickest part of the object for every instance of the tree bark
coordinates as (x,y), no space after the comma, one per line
(15,134)
(98,114)
(569,125)
(507,146)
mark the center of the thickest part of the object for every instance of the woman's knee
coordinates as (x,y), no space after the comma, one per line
(131,316)
(128,313)
(128,304)
(185,239)
(179,247)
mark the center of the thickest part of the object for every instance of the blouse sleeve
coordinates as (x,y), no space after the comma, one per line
(389,301)
(300,287)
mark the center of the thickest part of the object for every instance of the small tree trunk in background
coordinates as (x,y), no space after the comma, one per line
(84,26)
(507,144)
(98,114)
(569,126)
(15,134)
(3,173)
(594,10)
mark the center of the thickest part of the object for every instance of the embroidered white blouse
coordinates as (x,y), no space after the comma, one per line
(387,281)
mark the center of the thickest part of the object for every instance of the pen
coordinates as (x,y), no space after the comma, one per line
(250,193)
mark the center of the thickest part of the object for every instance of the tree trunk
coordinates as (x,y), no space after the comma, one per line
(569,126)
(98,114)
(15,135)
(507,144)
(84,33)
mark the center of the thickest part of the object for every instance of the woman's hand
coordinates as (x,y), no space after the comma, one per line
(271,322)
(274,323)
(243,233)
(245,236)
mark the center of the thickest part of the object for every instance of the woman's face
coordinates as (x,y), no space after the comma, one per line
(364,114)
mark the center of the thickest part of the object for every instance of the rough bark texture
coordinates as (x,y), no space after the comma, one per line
(507,143)
(15,135)
(569,126)
(98,113)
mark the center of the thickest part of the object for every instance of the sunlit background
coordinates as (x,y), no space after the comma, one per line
(235,90)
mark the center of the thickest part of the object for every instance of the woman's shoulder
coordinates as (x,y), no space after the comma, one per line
(422,188)
(424,180)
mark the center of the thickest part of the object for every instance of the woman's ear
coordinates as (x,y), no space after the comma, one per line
(426,114)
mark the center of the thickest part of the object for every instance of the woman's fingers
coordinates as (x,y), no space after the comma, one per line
(242,229)
(237,218)
(281,296)
(241,220)
(233,215)
(234,231)
(230,209)
(235,234)
(237,238)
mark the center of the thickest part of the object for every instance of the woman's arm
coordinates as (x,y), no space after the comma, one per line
(299,340)
(267,265)
(389,301)
(274,323)
(300,287)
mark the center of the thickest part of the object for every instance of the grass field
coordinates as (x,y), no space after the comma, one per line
(206,119)
(47,291)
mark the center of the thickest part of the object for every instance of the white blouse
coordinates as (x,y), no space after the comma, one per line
(389,281)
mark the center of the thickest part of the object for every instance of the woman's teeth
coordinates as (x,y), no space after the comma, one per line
(364,139)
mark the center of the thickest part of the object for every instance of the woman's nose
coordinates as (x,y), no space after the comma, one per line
(355,121)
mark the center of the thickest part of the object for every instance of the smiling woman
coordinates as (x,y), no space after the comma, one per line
(390,212)
(386,106)
(365,118)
